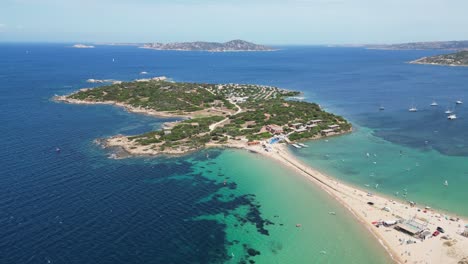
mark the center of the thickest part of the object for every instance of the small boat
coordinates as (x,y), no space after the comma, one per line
(303,145)
(381,108)
(452,117)
(332,213)
(459,102)
(57,150)
(434,103)
(446,183)
(296,146)
(413,109)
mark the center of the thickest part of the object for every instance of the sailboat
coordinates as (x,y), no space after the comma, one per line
(434,103)
(446,183)
(459,102)
(448,111)
(413,109)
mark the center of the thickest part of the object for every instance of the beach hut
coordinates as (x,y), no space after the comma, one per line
(411,227)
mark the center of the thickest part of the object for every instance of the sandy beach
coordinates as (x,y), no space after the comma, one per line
(448,247)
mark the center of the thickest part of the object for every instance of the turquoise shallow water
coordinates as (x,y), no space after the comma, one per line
(287,199)
(396,170)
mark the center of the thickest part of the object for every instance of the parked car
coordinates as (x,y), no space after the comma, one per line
(440,229)
(436,233)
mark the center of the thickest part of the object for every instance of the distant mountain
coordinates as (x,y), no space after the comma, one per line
(453,59)
(233,45)
(443,45)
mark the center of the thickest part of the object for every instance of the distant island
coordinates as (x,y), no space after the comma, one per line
(229,115)
(442,45)
(233,45)
(453,59)
(82,46)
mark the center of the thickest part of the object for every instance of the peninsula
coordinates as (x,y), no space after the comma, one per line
(233,45)
(261,119)
(232,115)
(453,59)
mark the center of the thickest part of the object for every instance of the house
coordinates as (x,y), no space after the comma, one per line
(315,121)
(311,126)
(274,129)
(327,132)
(167,131)
(296,125)
(334,126)
(302,129)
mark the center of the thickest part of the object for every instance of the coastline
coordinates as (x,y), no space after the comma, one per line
(355,200)
(128,108)
(351,197)
(434,64)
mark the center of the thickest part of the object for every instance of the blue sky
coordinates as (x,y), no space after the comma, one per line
(261,21)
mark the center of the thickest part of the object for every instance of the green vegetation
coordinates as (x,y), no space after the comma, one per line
(454,59)
(193,133)
(283,113)
(156,95)
(261,108)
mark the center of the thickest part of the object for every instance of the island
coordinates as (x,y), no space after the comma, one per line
(211,115)
(429,45)
(453,59)
(233,45)
(82,46)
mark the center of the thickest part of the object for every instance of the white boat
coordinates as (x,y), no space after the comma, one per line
(303,145)
(452,117)
(448,111)
(434,103)
(446,183)
(296,146)
(381,108)
(413,109)
(459,102)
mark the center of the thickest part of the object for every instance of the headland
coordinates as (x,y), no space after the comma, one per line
(262,119)
(459,58)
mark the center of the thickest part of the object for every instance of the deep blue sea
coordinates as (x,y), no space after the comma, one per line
(79,206)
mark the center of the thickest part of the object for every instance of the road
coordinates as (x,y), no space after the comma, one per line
(239,110)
